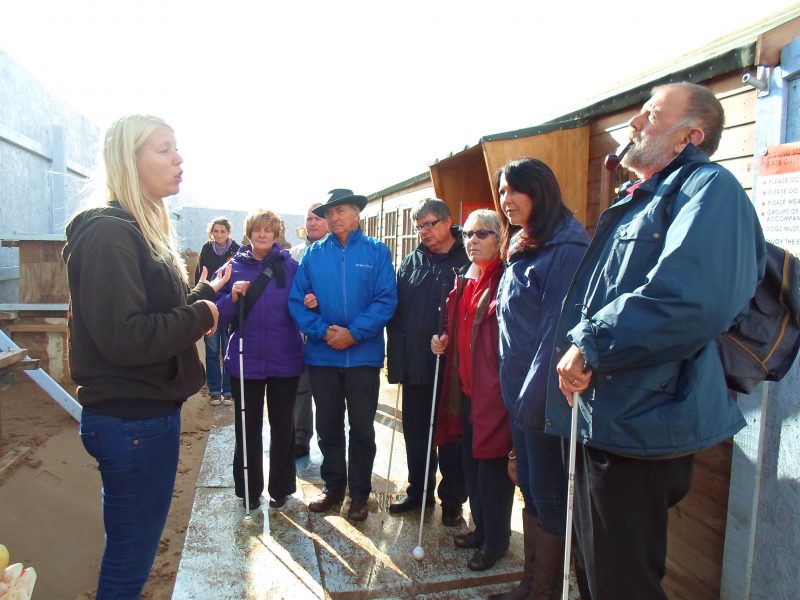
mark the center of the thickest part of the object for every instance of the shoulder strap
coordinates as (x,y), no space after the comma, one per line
(257,288)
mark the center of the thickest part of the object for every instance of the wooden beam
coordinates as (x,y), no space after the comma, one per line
(37,327)
(42,307)
(10,357)
(11,458)
(26,364)
(770,43)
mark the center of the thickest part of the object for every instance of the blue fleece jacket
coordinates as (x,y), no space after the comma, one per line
(355,288)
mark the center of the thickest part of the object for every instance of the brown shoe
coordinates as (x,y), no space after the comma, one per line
(325,501)
(452,516)
(358,510)
(467,540)
(481,561)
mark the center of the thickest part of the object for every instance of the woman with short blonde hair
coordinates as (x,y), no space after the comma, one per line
(471,407)
(272,360)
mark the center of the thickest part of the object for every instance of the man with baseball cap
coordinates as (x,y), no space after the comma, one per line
(343,295)
(316,228)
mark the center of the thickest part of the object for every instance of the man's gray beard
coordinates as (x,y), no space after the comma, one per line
(652,155)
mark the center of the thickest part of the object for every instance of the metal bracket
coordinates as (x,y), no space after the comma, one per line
(760,81)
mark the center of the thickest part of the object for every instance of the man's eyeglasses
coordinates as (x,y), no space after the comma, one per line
(482,234)
(428,225)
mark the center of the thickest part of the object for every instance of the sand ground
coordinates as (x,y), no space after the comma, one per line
(50,514)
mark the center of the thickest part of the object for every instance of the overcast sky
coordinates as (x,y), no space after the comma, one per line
(273,104)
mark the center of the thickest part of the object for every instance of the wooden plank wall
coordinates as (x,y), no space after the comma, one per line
(42,273)
(564,151)
(697,525)
(735,150)
(462,178)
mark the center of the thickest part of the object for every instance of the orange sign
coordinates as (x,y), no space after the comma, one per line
(780,160)
(778,195)
(468,207)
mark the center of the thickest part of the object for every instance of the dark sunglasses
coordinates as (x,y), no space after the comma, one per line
(481,233)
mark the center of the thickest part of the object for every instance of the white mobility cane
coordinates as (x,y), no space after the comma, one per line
(419,552)
(247,516)
(391,445)
(573,432)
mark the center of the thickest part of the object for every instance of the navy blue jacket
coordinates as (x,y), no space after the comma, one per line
(420,294)
(529,301)
(669,269)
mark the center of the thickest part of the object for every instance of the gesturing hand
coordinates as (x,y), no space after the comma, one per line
(221,277)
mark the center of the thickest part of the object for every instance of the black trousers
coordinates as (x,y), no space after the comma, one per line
(620,522)
(280,393)
(416,428)
(491,493)
(354,390)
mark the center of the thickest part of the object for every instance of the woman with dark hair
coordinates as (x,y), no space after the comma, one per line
(543,244)
(219,248)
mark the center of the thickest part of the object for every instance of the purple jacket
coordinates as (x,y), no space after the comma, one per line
(272,343)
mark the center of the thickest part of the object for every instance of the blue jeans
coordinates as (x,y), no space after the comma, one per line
(542,478)
(216,377)
(138,460)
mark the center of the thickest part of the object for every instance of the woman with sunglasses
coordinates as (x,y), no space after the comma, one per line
(543,244)
(471,406)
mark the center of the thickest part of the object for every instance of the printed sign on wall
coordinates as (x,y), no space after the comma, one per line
(778,195)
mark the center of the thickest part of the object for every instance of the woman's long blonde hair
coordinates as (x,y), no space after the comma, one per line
(123,140)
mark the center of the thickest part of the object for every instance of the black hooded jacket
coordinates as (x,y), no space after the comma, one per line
(422,287)
(132,333)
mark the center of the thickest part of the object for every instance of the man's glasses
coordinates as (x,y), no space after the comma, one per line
(482,234)
(428,225)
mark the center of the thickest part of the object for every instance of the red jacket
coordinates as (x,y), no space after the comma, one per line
(490,425)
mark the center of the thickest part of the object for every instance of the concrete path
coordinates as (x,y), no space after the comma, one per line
(295,554)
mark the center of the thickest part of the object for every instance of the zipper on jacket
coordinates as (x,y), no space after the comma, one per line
(344,296)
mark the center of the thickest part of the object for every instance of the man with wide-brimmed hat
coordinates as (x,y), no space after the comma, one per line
(342,297)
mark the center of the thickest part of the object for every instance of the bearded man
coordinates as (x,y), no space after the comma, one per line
(673,262)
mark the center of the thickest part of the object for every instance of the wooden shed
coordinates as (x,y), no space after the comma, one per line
(39,321)
(466,180)
(575,145)
(697,525)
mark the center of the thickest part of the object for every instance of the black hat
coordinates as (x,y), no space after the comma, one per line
(340,196)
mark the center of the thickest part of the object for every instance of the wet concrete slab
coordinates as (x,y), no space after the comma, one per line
(292,552)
